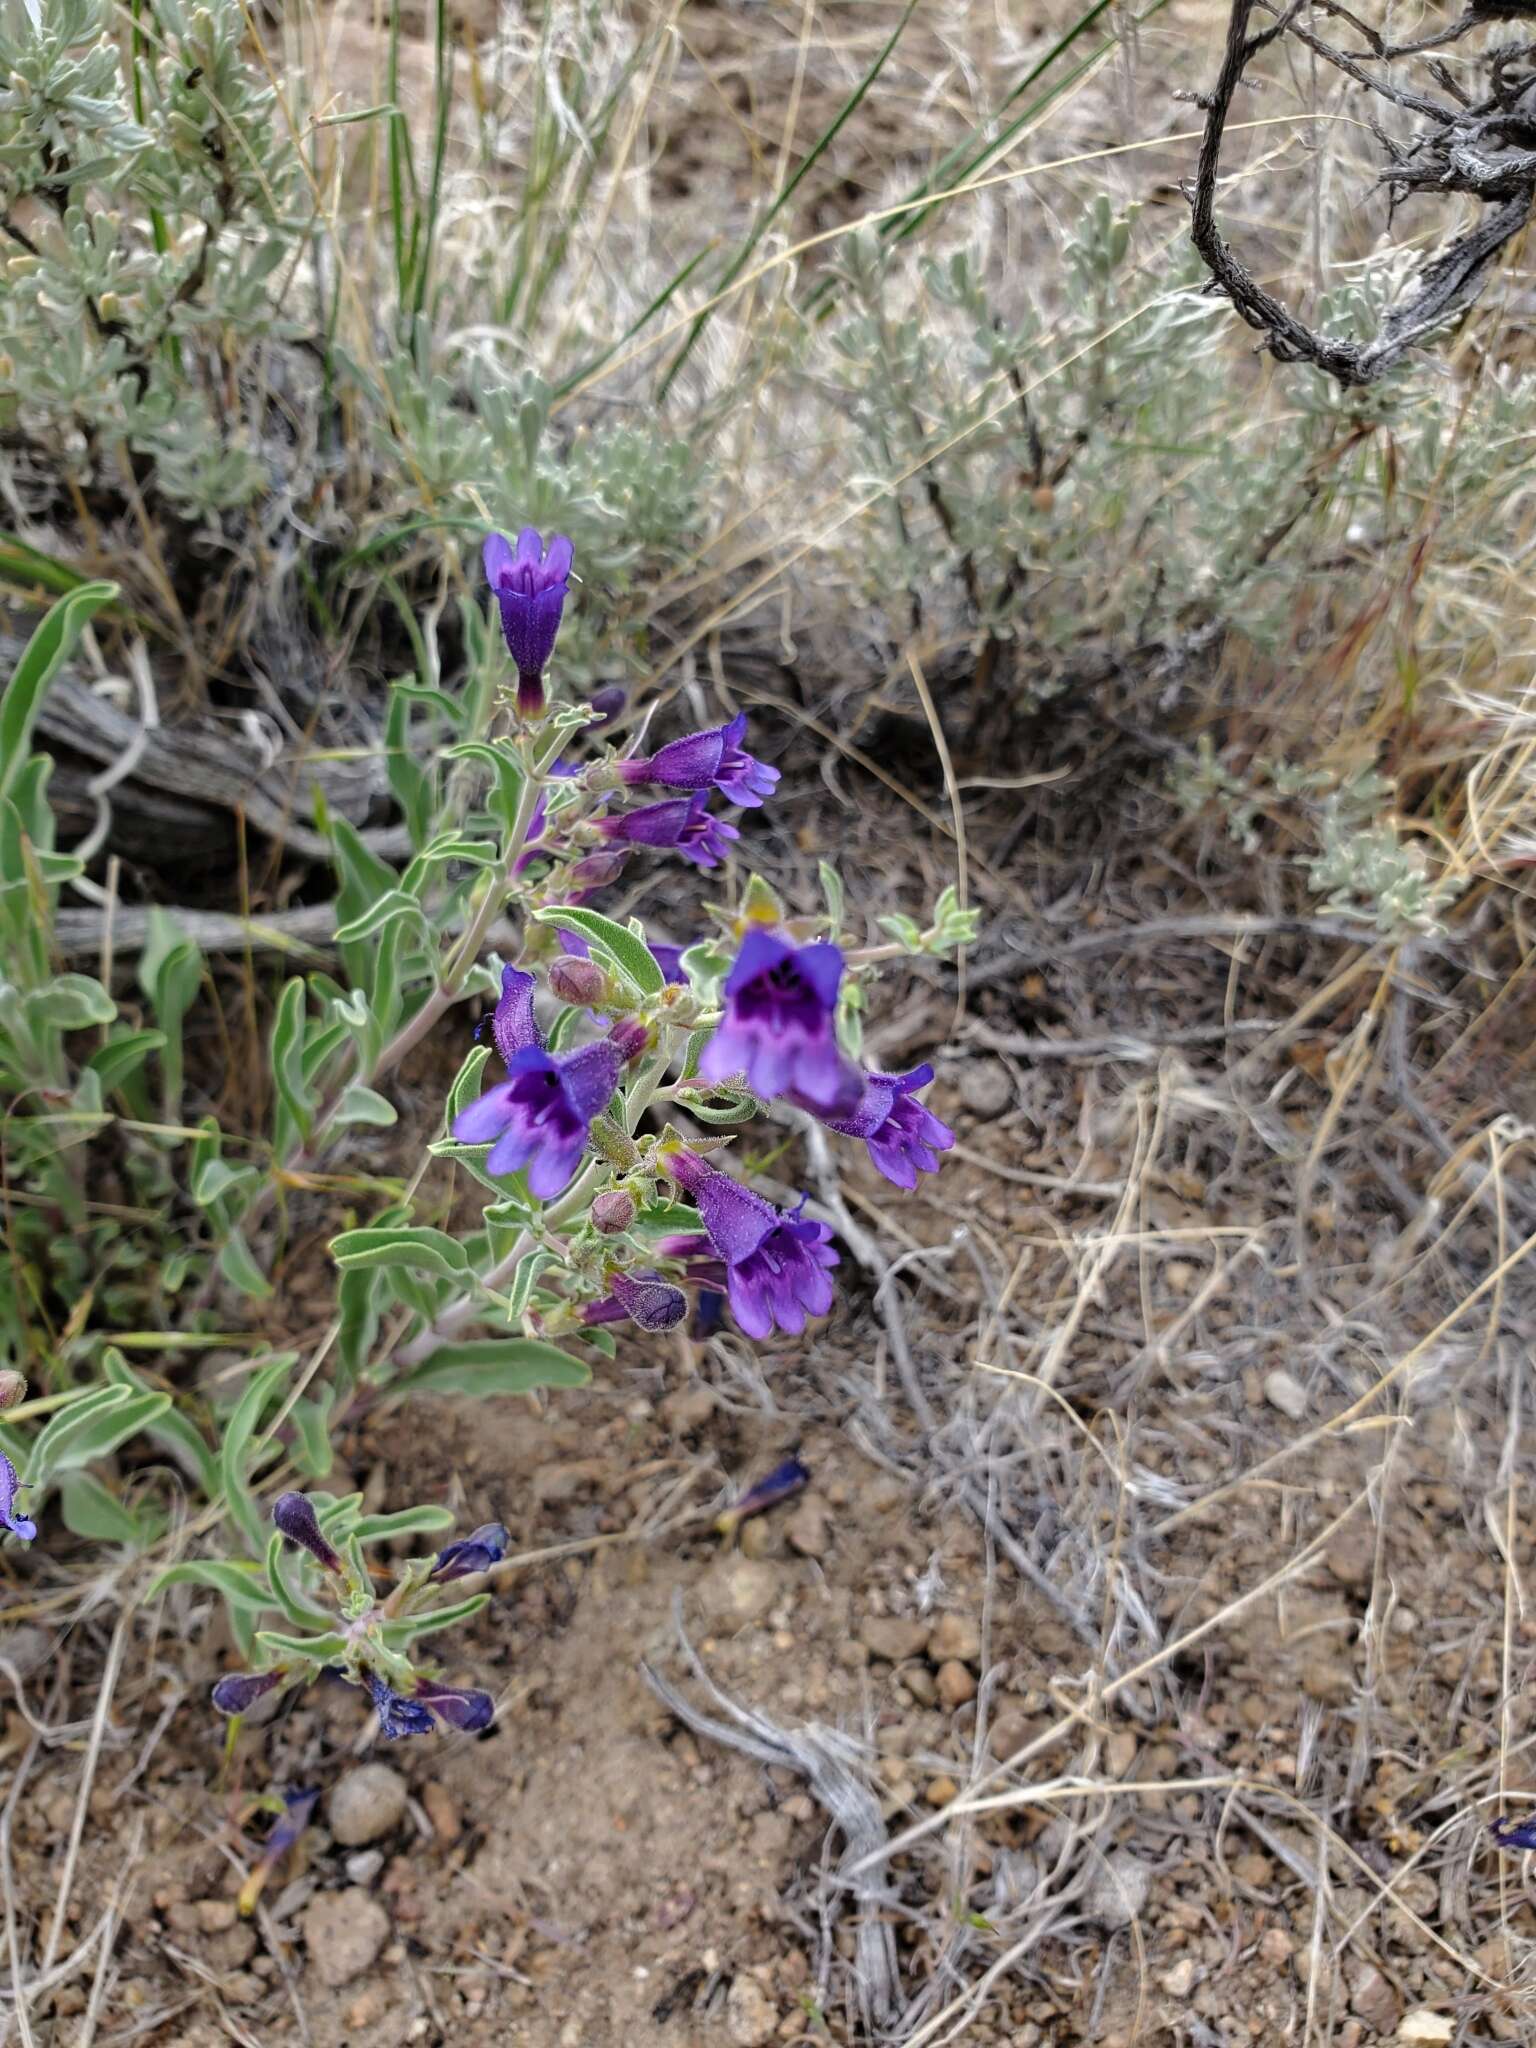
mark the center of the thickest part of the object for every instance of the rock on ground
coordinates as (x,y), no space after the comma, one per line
(343,1932)
(366,1804)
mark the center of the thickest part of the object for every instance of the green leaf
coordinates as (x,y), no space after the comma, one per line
(397,1634)
(507,797)
(362,1105)
(170,974)
(385,910)
(311,1420)
(239,1267)
(625,948)
(832,895)
(303,1649)
(70,1002)
(492,1365)
(358,1310)
(421,1249)
(171,1431)
(238,1432)
(90,1510)
(41,659)
(423,1521)
(90,1429)
(121,1057)
(301,1612)
(242,1585)
(288,1056)
(466,1083)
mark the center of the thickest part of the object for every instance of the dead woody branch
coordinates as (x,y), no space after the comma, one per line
(1483,148)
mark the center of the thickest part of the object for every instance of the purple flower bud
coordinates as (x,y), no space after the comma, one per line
(238,1693)
(607,702)
(397,1715)
(297,1521)
(780,1484)
(707,760)
(540,1115)
(684,824)
(629,1037)
(476,1552)
(13,1388)
(903,1137)
(10,1485)
(578,981)
(597,870)
(645,1298)
(1514,1834)
(779,1027)
(530,587)
(776,1263)
(613,1211)
(512,1024)
(467,1711)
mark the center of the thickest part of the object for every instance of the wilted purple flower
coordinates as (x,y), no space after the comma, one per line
(779,1029)
(10,1485)
(530,587)
(643,1298)
(397,1715)
(707,760)
(1514,1834)
(476,1552)
(296,1519)
(683,823)
(670,960)
(467,1711)
(298,1806)
(903,1137)
(782,1482)
(539,1116)
(775,1264)
(238,1693)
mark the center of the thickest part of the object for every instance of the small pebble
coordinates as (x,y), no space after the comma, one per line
(443,1812)
(954,1637)
(344,1932)
(738,1590)
(215,1916)
(364,1865)
(1118,1890)
(956,1683)
(940,1791)
(366,1804)
(893,1637)
(986,1087)
(1180,1980)
(808,1530)
(1286,1394)
(751,2017)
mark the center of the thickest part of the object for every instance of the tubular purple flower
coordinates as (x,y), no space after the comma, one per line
(298,1806)
(238,1693)
(670,960)
(904,1138)
(781,1483)
(476,1552)
(296,1519)
(397,1715)
(1513,1834)
(607,702)
(465,1710)
(512,1022)
(779,1026)
(540,1115)
(530,586)
(23,1529)
(643,1298)
(707,760)
(775,1263)
(682,823)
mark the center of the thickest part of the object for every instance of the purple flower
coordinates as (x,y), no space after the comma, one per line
(10,1485)
(670,960)
(238,1693)
(540,1115)
(903,1137)
(607,702)
(707,760)
(775,1263)
(476,1552)
(707,1311)
(780,1484)
(512,1024)
(298,1806)
(683,823)
(780,1006)
(467,1711)
(1514,1834)
(643,1298)
(530,587)
(296,1519)
(397,1715)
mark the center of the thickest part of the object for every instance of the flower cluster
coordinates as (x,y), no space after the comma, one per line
(13,1390)
(370,1648)
(748,1017)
